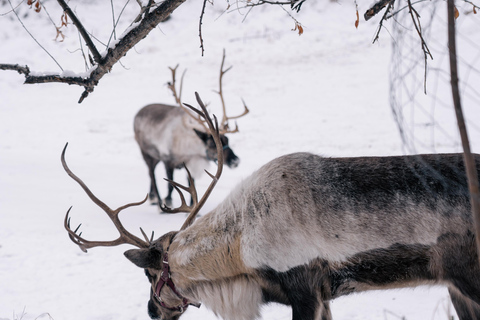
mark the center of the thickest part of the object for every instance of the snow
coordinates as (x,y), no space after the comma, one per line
(325,91)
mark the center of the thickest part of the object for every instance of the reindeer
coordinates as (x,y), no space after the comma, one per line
(304,229)
(175,136)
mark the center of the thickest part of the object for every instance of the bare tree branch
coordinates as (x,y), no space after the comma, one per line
(470,167)
(31,35)
(15,67)
(295,5)
(376,8)
(103,64)
(143,9)
(200,26)
(384,18)
(81,29)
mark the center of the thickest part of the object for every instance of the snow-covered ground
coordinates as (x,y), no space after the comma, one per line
(325,91)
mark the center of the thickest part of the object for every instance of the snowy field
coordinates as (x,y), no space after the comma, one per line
(324,92)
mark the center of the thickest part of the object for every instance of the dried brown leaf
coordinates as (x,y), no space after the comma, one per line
(357,21)
(298,27)
(38,7)
(474,10)
(64,19)
(59,34)
(300,30)
(456,12)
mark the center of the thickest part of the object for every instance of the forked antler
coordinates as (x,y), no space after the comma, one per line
(197,205)
(224,124)
(178,96)
(125,236)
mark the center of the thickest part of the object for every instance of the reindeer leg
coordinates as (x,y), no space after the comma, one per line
(189,184)
(323,311)
(153,195)
(304,288)
(169,169)
(466,308)
(460,267)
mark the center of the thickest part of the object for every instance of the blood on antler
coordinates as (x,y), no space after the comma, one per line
(197,205)
(125,236)
(224,126)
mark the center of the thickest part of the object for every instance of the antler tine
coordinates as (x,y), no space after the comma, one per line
(178,97)
(125,236)
(191,189)
(245,111)
(216,137)
(225,118)
(197,205)
(172,85)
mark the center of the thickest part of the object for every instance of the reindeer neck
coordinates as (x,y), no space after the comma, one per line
(207,250)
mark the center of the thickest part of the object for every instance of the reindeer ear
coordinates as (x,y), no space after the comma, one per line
(202,135)
(145,258)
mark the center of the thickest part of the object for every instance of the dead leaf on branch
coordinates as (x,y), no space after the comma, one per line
(59,34)
(298,27)
(63,23)
(456,13)
(64,20)
(474,10)
(357,21)
(38,5)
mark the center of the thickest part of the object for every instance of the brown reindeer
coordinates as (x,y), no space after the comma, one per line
(305,229)
(175,136)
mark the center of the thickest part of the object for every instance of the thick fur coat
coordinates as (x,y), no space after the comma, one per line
(304,229)
(167,134)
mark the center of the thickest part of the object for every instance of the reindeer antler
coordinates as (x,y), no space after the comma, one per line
(172,85)
(178,97)
(224,124)
(125,236)
(197,205)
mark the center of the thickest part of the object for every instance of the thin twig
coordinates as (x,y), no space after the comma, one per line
(83,52)
(426,52)
(8,12)
(376,8)
(143,10)
(405,7)
(384,18)
(31,35)
(113,21)
(474,5)
(200,26)
(81,29)
(113,55)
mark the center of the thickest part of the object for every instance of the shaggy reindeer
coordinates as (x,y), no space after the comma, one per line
(304,229)
(167,134)
(162,136)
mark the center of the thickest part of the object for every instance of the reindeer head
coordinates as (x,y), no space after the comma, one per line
(231,159)
(166,301)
